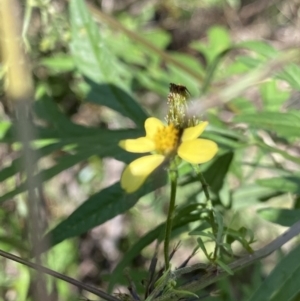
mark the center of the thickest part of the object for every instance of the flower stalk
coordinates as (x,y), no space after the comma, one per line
(173,179)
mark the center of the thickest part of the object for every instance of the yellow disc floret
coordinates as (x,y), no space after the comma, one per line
(166,139)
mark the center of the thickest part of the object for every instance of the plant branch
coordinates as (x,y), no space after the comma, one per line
(57,275)
(214,274)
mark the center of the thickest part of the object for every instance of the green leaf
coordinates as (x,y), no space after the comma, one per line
(202,246)
(285,183)
(49,173)
(218,41)
(249,194)
(283,217)
(59,63)
(249,62)
(279,277)
(46,109)
(291,74)
(217,172)
(86,142)
(224,266)
(4,127)
(225,142)
(88,47)
(101,207)
(243,105)
(272,96)
(177,75)
(103,143)
(273,149)
(290,289)
(161,37)
(22,286)
(96,62)
(16,165)
(283,124)
(113,97)
(260,47)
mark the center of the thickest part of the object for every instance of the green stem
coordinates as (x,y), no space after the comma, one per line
(212,221)
(173,177)
(204,184)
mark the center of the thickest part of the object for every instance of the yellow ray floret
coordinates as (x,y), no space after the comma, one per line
(164,141)
(136,173)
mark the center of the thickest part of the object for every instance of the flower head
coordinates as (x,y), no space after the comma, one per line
(164,142)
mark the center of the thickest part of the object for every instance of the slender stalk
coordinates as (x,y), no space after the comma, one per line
(211,216)
(60,276)
(173,177)
(203,183)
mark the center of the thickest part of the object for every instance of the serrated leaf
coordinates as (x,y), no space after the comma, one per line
(283,217)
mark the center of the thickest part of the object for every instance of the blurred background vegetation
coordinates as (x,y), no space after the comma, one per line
(99,69)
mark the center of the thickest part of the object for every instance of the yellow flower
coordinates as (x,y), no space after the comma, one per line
(164,141)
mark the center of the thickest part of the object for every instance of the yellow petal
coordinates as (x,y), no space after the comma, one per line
(197,151)
(139,145)
(152,125)
(137,171)
(194,132)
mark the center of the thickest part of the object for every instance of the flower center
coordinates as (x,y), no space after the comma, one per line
(166,139)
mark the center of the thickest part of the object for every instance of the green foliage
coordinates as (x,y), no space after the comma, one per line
(278,283)
(257,136)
